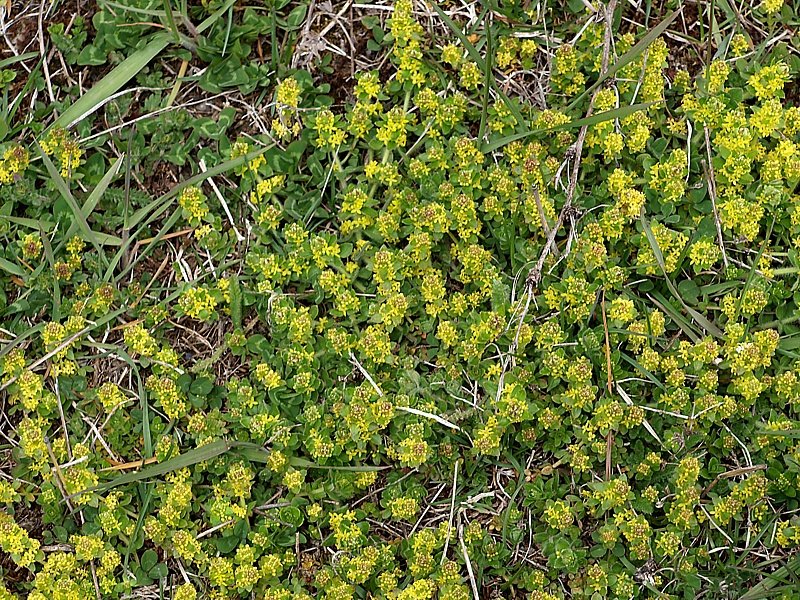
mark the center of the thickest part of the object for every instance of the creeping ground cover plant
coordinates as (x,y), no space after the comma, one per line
(439,339)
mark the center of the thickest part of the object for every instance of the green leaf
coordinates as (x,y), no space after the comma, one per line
(104,89)
(631,55)
(297,16)
(701,320)
(160,571)
(149,560)
(91,56)
(616,113)
(12,268)
(227,544)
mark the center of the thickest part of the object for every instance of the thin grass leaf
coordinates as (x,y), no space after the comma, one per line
(675,315)
(148,214)
(476,56)
(187,459)
(28,333)
(627,58)
(792,434)
(96,195)
(614,114)
(144,406)
(652,378)
(102,91)
(141,214)
(210,451)
(703,321)
(32,78)
(170,223)
(95,238)
(766,588)
(51,262)
(256,453)
(487,82)
(215,17)
(133,9)
(236,301)
(171,22)
(15,59)
(32,223)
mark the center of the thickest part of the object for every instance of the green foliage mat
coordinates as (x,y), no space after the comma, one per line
(438,341)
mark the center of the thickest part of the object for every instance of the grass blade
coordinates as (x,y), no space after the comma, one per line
(113,82)
(616,113)
(90,236)
(476,56)
(764,588)
(187,459)
(12,268)
(629,56)
(15,59)
(147,214)
(249,451)
(259,454)
(215,17)
(97,193)
(32,223)
(702,320)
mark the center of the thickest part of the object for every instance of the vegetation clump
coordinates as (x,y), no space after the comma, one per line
(438,341)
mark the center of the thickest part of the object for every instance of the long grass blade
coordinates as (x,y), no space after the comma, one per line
(113,82)
(95,238)
(627,58)
(701,320)
(476,56)
(616,113)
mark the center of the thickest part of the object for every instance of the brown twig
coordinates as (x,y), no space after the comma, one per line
(732,473)
(574,153)
(545,225)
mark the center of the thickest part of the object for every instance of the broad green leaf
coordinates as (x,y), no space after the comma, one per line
(12,268)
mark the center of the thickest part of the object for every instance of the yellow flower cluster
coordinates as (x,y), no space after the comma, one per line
(14,540)
(193,203)
(68,153)
(14,161)
(198,303)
